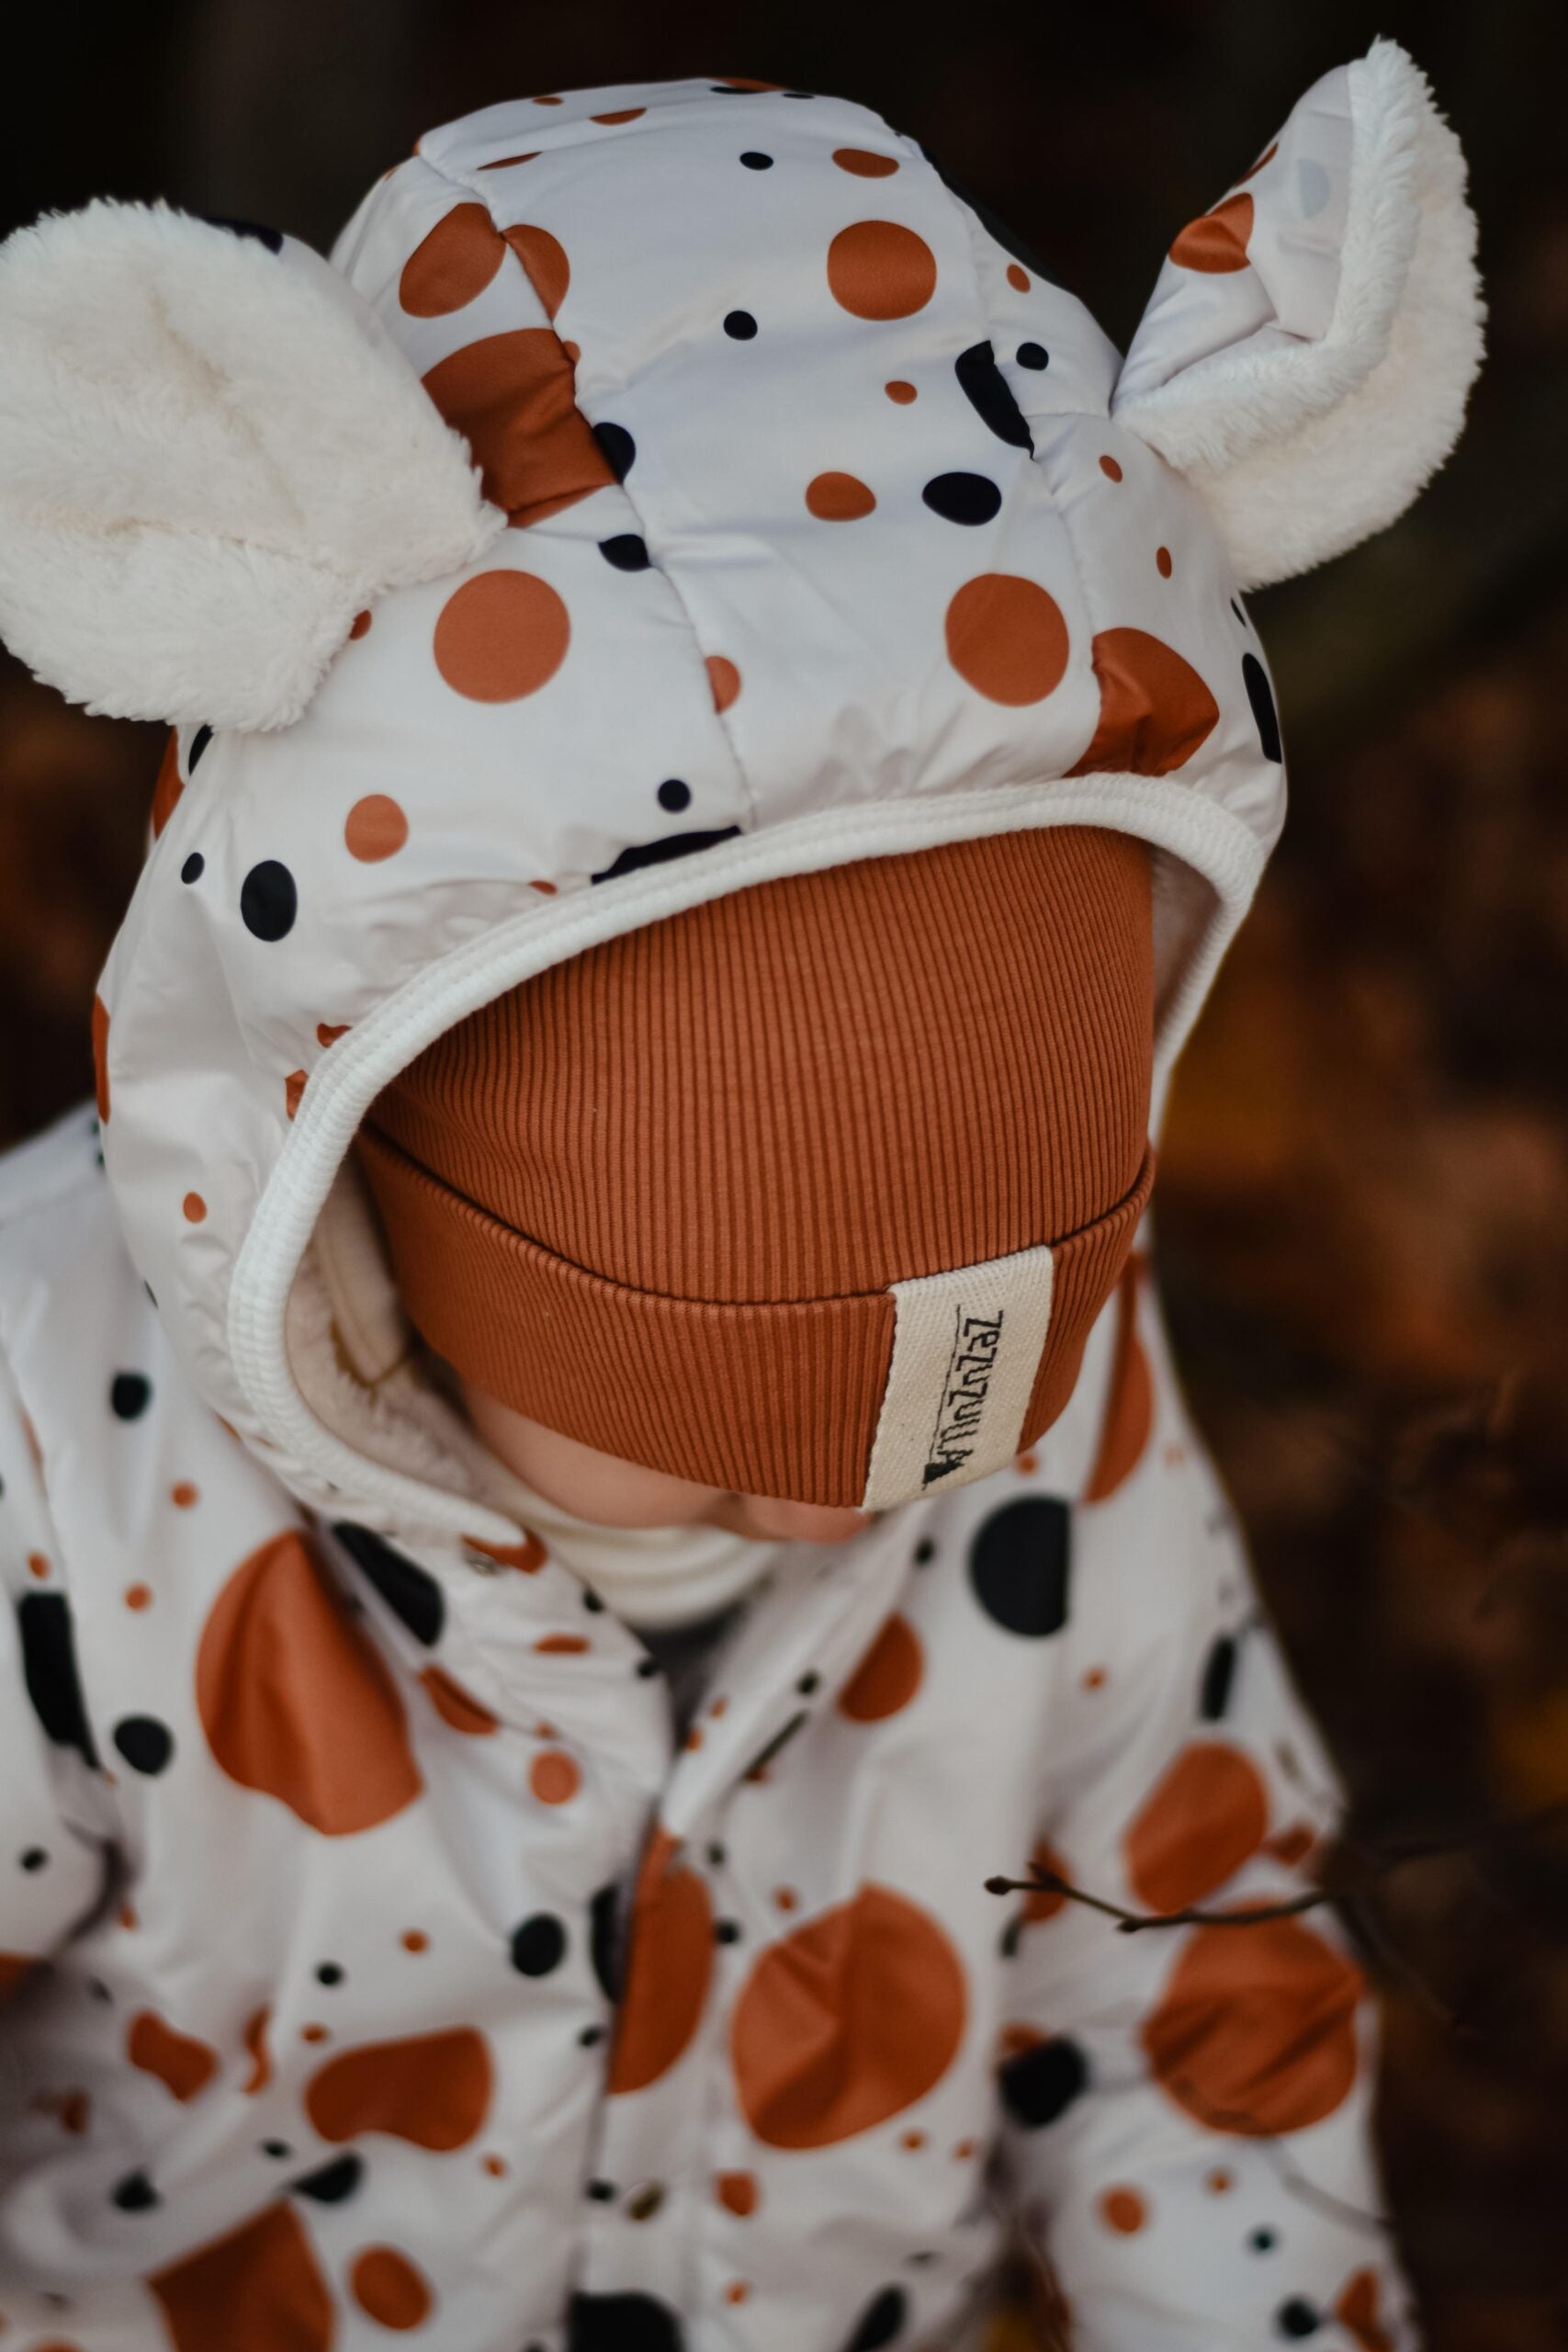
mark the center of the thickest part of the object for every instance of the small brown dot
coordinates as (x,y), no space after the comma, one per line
(737,2291)
(1028,1463)
(718,1706)
(183,1495)
(313,2034)
(138,1596)
(839,498)
(496,2167)
(1220,2183)
(545,889)
(128,1915)
(786,1898)
(964,2149)
(1095,1678)
(1110,469)
(901,390)
(194,1208)
(1018,279)
(547,102)
(361,623)
(415,1939)
(912,2140)
(37,1563)
(327,1034)
(1162,562)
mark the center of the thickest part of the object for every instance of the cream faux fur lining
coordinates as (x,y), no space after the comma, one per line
(212,458)
(1301,451)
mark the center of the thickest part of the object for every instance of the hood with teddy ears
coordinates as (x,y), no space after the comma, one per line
(662,489)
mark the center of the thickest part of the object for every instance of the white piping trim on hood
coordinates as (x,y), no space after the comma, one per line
(1160,810)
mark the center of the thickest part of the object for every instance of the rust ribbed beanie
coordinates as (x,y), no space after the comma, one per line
(813,1190)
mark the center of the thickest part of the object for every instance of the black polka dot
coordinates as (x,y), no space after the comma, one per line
(276,2148)
(1011,1937)
(268,900)
(717,1857)
(925,1552)
(194,867)
(130,1393)
(592,1604)
(590,2035)
(198,744)
(1260,694)
(739,326)
(647,1668)
(603,2192)
(135,2193)
(641,853)
(98,1989)
(34,1858)
(673,795)
(329,1972)
(409,1592)
(755,161)
(334,2182)
(881,2322)
(1019,1565)
(604,1939)
(1263,2241)
(962,498)
(807,1684)
(1033,355)
(628,551)
(1041,2084)
(631,2323)
(538,1945)
(145,1743)
(988,392)
(1298,2318)
(49,1669)
(726,1931)
(1219,1673)
(616,447)
(271,238)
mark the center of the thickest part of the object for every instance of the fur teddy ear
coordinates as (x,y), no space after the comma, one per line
(211,458)
(1306,356)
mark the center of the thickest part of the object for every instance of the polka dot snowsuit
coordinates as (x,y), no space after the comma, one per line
(378,1964)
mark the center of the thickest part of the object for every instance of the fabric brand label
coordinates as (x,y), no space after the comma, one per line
(965,1350)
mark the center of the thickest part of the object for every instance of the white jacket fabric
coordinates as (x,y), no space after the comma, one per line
(327,1787)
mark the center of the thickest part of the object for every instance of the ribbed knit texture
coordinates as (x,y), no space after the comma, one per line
(787,1100)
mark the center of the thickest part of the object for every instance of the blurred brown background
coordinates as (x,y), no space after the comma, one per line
(1363,1227)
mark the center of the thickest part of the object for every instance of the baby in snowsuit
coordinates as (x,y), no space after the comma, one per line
(586,1446)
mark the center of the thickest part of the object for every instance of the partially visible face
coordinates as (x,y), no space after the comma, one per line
(610,1492)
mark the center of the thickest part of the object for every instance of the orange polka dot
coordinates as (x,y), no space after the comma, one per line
(546,889)
(865,162)
(433,2089)
(544,258)
(496,2166)
(170,784)
(101,1057)
(846,2020)
(901,390)
(528,1557)
(912,2141)
(887,1678)
(1046,1901)
(1293,1844)
(38,1565)
(1219,2183)
(878,270)
(504,162)
(964,2149)
(1357,2311)
(1018,279)
(250,2291)
(183,2065)
(512,398)
(128,1917)
(547,102)
(502,636)
(573,350)
(1124,2210)
(1208,1813)
(561,1646)
(327,1034)
(360,624)
(452,265)
(839,498)
(1094,1678)
(1027,1464)
(625,114)
(1007,638)
(294,1089)
(1217,241)
(260,2056)
(388,2288)
(184,1495)
(670,1963)
(1014,2040)
(315,2033)
(1255,2032)
(785,1898)
(736,2192)
(194,1208)
(296,1702)
(375,828)
(1110,469)
(554,1777)
(1155,710)
(724,679)
(737,2291)
(1162,562)
(454,1705)
(720,1706)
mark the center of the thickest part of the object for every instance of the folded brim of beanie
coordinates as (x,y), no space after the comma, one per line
(864,1401)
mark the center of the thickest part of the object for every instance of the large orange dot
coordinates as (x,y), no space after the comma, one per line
(1155,710)
(846,2021)
(433,2089)
(453,264)
(1255,2032)
(250,2291)
(456,1706)
(1123,2209)
(502,636)
(544,258)
(183,2065)
(375,828)
(878,270)
(553,1776)
(725,680)
(839,498)
(512,398)
(1007,638)
(887,1677)
(1208,1813)
(736,2192)
(669,1960)
(388,2288)
(865,162)
(1217,241)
